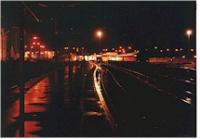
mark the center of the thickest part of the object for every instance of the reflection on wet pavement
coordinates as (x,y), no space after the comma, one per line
(36,100)
(56,106)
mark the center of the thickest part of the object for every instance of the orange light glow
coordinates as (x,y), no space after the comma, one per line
(42,46)
(35,38)
(38,43)
(189,33)
(34,43)
(99,34)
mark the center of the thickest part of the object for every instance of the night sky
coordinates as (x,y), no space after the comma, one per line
(142,24)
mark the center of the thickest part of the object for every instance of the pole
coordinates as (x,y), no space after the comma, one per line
(21,73)
(99,45)
(189,38)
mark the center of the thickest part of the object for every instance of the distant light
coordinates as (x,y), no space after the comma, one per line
(35,38)
(99,34)
(120,47)
(155,47)
(77,49)
(38,43)
(42,46)
(34,43)
(192,50)
(167,49)
(176,50)
(129,47)
(161,51)
(146,49)
(137,51)
(183,56)
(189,33)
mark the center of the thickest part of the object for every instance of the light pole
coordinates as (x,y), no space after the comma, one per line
(189,33)
(99,35)
(189,36)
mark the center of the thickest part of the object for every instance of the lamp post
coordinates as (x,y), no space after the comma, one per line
(189,33)
(99,35)
(189,36)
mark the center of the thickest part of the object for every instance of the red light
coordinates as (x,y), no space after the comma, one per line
(42,46)
(35,38)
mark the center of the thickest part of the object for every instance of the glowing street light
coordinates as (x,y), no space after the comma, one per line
(99,34)
(189,33)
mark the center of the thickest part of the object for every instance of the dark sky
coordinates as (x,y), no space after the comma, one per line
(144,24)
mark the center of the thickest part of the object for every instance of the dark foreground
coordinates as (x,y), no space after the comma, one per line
(106,100)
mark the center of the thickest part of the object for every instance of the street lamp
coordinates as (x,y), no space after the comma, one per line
(189,33)
(99,35)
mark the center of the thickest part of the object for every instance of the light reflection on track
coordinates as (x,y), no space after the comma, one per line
(98,88)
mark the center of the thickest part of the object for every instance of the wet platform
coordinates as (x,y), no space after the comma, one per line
(61,104)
